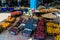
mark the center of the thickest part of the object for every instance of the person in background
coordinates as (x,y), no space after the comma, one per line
(24,3)
(47,3)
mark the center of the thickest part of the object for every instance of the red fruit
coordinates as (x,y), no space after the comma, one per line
(18,12)
(13,13)
(36,33)
(40,28)
(41,22)
(40,35)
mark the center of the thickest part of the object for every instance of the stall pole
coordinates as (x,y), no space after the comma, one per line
(33,4)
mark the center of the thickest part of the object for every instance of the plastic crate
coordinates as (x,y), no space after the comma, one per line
(27,32)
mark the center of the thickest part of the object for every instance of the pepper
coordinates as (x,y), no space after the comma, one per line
(5,24)
(10,19)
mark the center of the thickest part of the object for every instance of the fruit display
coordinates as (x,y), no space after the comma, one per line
(35,26)
(49,30)
(53,10)
(15,13)
(51,24)
(18,27)
(53,28)
(57,37)
(4,25)
(14,29)
(44,10)
(49,16)
(39,33)
(10,19)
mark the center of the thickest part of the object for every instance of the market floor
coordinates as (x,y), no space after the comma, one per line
(5,35)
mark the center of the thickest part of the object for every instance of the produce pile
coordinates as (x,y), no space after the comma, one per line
(33,25)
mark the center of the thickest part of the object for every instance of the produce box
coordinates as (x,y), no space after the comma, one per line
(39,34)
(27,32)
(14,31)
(4,9)
(53,28)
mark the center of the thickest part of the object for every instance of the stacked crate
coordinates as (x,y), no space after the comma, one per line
(30,27)
(39,33)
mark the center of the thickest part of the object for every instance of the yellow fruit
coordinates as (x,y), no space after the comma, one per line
(56,30)
(49,29)
(59,25)
(5,24)
(10,19)
(50,24)
(43,10)
(56,25)
(57,37)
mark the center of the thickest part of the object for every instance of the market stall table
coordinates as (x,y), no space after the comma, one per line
(5,35)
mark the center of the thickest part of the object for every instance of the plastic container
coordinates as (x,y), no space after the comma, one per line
(10,9)
(39,34)
(14,31)
(27,32)
(29,24)
(4,9)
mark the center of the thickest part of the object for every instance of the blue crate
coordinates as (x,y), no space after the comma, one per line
(10,9)
(31,24)
(4,9)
